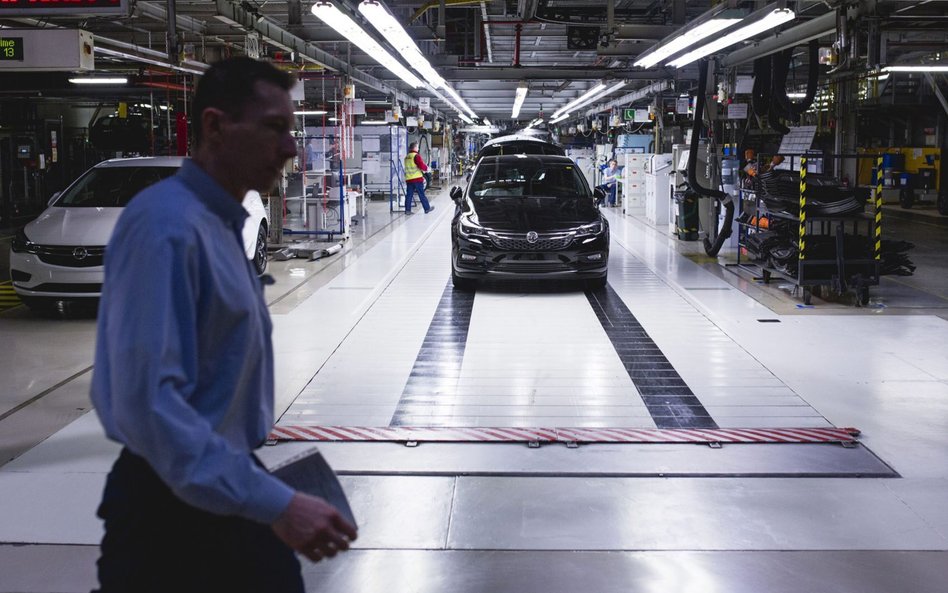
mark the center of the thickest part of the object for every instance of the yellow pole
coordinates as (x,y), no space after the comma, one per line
(878,209)
(802,246)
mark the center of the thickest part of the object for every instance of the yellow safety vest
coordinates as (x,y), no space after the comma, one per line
(412,171)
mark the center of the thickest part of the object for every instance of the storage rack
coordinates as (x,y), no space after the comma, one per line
(840,274)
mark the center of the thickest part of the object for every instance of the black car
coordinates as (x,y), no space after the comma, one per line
(528,216)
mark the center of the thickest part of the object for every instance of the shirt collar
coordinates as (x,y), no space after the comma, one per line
(209,191)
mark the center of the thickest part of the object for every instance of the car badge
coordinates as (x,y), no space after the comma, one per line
(80,253)
(532,237)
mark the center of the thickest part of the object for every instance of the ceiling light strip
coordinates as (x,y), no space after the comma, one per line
(519,96)
(755,26)
(346,27)
(684,41)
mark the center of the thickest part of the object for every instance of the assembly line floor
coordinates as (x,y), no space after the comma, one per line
(375,341)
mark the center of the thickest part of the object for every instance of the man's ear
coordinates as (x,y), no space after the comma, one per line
(212,122)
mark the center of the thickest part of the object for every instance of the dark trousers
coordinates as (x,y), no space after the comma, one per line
(154,542)
(416,186)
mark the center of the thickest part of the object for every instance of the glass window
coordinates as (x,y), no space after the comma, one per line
(112,187)
(527,177)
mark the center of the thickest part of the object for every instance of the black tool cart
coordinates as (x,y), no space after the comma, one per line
(809,230)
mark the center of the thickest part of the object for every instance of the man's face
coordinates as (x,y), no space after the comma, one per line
(257,142)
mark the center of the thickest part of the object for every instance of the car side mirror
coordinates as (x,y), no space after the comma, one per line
(456,194)
(54,198)
(600,194)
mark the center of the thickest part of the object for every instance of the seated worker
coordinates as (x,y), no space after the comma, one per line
(610,181)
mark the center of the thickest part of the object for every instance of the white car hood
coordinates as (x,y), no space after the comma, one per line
(89,227)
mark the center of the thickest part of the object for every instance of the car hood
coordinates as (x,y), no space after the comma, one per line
(520,214)
(89,227)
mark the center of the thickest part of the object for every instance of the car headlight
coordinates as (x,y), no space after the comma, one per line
(22,244)
(471,230)
(588,230)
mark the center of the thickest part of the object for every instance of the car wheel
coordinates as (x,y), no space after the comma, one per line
(260,250)
(461,283)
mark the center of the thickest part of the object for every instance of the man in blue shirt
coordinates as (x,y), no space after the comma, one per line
(610,180)
(184,367)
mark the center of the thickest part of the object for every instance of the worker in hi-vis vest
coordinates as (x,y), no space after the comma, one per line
(415,169)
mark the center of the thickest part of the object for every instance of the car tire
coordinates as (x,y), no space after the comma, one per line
(459,283)
(260,250)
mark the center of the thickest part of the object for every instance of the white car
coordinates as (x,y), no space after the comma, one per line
(58,257)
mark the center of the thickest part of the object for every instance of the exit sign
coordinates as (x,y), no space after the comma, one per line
(11,49)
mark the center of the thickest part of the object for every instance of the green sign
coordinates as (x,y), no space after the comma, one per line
(628,114)
(11,49)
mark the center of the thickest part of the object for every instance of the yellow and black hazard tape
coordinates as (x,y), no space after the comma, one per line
(802,245)
(878,213)
(8,298)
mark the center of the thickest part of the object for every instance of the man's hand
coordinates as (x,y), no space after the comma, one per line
(314,528)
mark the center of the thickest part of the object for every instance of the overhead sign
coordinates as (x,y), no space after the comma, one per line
(11,48)
(40,50)
(63,7)
(424,103)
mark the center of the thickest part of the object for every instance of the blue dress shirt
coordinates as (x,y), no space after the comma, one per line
(184,360)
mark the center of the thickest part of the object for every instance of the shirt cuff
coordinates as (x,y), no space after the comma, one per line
(268,499)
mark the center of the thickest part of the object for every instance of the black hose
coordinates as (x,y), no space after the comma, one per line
(760,100)
(710,248)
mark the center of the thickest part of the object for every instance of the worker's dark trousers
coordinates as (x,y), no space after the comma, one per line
(155,542)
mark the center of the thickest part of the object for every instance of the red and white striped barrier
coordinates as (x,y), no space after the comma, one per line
(301,432)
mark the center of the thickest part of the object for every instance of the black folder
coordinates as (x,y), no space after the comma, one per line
(308,472)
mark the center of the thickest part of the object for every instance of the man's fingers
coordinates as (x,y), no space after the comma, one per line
(345,527)
(313,555)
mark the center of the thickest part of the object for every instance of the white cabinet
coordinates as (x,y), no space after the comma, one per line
(633,182)
(658,189)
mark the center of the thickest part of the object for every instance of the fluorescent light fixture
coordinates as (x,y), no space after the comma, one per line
(683,41)
(487,122)
(310,112)
(465,118)
(394,33)
(454,94)
(99,80)
(603,93)
(919,68)
(373,123)
(345,26)
(755,26)
(520,95)
(569,106)
(557,120)
(796,95)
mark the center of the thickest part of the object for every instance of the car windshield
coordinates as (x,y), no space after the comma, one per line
(529,178)
(112,187)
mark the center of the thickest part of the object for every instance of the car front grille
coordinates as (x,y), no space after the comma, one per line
(518,242)
(66,256)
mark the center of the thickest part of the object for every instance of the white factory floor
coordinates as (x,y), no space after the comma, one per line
(375,338)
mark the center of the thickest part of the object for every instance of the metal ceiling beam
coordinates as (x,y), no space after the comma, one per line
(282,38)
(511,73)
(646,32)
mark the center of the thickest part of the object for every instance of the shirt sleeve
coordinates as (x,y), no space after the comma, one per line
(420,162)
(147,345)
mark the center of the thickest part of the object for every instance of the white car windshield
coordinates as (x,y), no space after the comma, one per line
(111,187)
